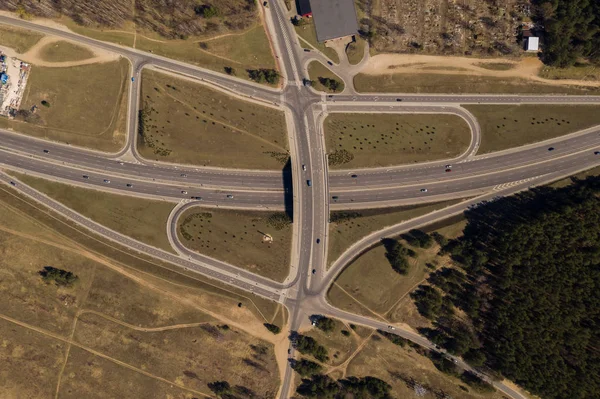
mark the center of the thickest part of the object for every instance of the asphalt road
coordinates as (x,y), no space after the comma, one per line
(304,291)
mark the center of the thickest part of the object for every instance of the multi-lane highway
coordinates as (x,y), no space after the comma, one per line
(303,292)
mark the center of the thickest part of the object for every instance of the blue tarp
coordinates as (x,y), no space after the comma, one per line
(4,78)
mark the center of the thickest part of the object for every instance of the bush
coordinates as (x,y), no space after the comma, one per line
(476,383)
(325,324)
(206,11)
(339,157)
(60,277)
(345,333)
(396,255)
(273,328)
(229,71)
(219,387)
(279,220)
(309,346)
(270,76)
(331,84)
(305,367)
(45,103)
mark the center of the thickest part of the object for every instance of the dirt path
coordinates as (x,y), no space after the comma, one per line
(526,68)
(33,56)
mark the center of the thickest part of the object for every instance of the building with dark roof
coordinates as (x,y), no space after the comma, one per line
(334,18)
(304,8)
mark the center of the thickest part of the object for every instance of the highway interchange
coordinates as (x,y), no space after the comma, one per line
(303,293)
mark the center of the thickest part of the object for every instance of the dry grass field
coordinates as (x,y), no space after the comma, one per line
(64,51)
(308,33)
(86,105)
(317,72)
(186,122)
(355,51)
(508,126)
(18,39)
(237,237)
(372,140)
(142,219)
(125,325)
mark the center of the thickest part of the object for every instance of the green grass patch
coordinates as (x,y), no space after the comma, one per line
(355,51)
(373,140)
(347,227)
(18,39)
(579,71)
(508,126)
(186,122)
(141,219)
(436,83)
(240,238)
(86,105)
(324,79)
(64,51)
(309,34)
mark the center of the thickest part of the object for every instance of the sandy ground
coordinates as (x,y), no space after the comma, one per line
(526,68)
(32,56)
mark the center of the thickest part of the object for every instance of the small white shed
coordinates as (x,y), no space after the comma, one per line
(533,43)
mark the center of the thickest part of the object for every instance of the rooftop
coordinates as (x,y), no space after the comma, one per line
(334,18)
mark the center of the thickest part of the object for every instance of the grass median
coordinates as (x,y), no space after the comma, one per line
(142,219)
(508,126)
(448,83)
(355,51)
(186,122)
(324,79)
(374,140)
(259,242)
(62,51)
(82,105)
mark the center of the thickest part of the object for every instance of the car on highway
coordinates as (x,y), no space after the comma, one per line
(318,240)
(551,149)
(46,152)
(129,185)
(86,177)
(304,168)
(448,170)
(309,183)
(335,197)
(132,79)
(183,192)
(448,166)
(423,190)
(391,327)
(121,163)
(314,271)
(306,50)
(354,176)
(596,152)
(13,183)
(196,198)
(398,99)
(229,196)
(106,181)
(330,63)
(183,175)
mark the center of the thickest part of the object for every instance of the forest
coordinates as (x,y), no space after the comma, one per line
(528,287)
(571,30)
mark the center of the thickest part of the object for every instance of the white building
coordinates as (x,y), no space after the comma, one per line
(533,43)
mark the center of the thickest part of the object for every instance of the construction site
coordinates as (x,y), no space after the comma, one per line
(13,80)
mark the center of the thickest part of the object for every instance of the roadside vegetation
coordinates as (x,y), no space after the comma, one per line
(186,122)
(355,50)
(62,51)
(509,126)
(323,79)
(18,39)
(305,29)
(505,308)
(372,140)
(119,302)
(142,219)
(441,83)
(257,241)
(348,227)
(82,105)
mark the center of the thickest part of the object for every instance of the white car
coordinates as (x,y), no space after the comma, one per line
(391,327)
(304,168)
(106,181)
(423,190)
(184,192)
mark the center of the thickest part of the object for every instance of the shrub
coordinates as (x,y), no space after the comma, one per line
(45,103)
(305,367)
(273,328)
(60,277)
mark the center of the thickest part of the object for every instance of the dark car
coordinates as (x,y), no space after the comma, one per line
(306,50)
(86,177)
(314,271)
(551,149)
(318,240)
(46,152)
(129,185)
(308,183)
(335,197)
(448,170)
(354,176)
(398,99)
(596,152)
(196,198)
(330,63)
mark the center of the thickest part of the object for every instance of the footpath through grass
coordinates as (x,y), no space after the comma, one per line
(257,241)
(308,33)
(348,227)
(85,105)
(509,126)
(115,296)
(186,122)
(324,79)
(438,83)
(372,140)
(64,51)
(18,39)
(142,219)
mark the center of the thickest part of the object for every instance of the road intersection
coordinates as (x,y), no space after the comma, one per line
(303,292)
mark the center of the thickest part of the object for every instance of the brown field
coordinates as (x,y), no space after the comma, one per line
(64,51)
(236,237)
(86,105)
(131,329)
(186,122)
(18,39)
(509,126)
(384,139)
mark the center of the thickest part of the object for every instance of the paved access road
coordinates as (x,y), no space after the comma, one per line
(304,290)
